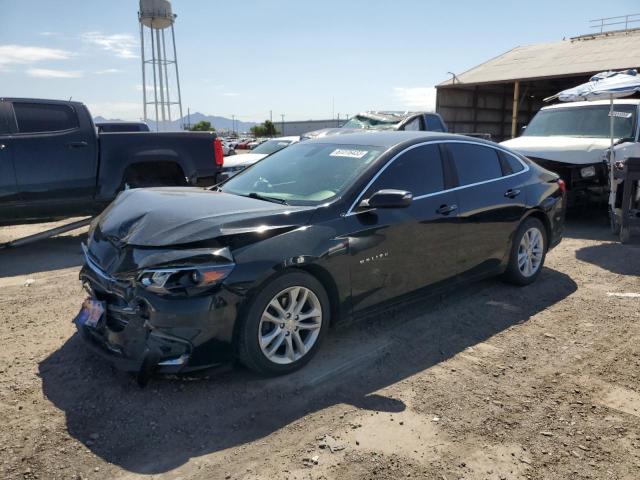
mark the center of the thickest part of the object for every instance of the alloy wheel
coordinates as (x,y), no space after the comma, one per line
(530,252)
(290,325)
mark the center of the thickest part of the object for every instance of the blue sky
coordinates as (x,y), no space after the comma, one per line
(290,56)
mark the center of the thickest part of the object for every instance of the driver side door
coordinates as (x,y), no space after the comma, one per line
(394,251)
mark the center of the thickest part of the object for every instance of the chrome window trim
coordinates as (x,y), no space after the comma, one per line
(420,197)
(93,266)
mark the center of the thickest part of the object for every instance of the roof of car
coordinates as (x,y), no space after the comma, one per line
(40,100)
(391,138)
(293,138)
(619,101)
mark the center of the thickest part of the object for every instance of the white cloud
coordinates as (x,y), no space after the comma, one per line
(120,44)
(107,71)
(49,34)
(419,98)
(25,55)
(50,73)
(116,110)
(149,88)
(231,94)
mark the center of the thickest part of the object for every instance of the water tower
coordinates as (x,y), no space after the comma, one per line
(156,17)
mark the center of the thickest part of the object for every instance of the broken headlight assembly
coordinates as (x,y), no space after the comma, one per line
(185,280)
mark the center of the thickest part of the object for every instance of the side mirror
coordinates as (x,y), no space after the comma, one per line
(522,129)
(388,199)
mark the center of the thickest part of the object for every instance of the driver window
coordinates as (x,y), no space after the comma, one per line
(418,170)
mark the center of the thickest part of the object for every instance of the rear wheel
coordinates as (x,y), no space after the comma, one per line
(284,324)
(528,253)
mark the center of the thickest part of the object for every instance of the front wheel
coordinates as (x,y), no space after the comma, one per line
(528,253)
(284,324)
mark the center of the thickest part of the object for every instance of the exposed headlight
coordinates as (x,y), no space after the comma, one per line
(588,172)
(184,279)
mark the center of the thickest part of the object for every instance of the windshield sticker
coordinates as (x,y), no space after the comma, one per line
(620,114)
(340,152)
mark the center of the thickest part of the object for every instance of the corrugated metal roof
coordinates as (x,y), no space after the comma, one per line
(586,54)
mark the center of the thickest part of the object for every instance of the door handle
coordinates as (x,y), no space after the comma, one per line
(2,146)
(77,144)
(512,193)
(446,209)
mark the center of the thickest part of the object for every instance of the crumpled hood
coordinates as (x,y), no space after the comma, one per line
(243,159)
(157,217)
(572,150)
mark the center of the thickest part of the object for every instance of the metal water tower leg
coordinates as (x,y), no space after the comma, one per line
(144,81)
(160,75)
(175,60)
(155,86)
(166,76)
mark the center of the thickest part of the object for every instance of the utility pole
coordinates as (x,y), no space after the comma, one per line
(233,124)
(189,118)
(282,115)
(333,108)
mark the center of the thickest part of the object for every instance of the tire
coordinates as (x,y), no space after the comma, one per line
(517,273)
(258,332)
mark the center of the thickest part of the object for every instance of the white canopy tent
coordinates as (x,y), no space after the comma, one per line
(605,85)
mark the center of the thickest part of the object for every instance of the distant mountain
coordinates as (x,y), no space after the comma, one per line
(219,123)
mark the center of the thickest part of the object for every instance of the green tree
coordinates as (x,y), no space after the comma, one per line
(265,129)
(202,126)
(270,128)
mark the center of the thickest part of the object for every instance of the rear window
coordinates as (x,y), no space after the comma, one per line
(434,124)
(510,164)
(475,163)
(41,117)
(4,121)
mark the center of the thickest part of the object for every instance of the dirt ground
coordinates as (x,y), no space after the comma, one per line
(491,382)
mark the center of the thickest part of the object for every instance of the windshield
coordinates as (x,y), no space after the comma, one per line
(305,173)
(271,146)
(589,121)
(360,121)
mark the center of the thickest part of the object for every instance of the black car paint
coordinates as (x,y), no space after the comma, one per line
(109,127)
(363,258)
(73,172)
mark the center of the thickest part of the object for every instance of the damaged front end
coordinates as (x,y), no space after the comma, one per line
(160,263)
(155,317)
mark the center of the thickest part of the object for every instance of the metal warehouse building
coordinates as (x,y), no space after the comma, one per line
(501,96)
(303,126)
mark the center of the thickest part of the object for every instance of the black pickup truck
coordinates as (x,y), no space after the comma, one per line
(54,163)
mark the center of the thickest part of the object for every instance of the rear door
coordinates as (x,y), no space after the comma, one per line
(54,157)
(8,189)
(491,202)
(394,251)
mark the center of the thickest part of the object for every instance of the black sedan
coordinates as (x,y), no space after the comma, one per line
(257,268)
